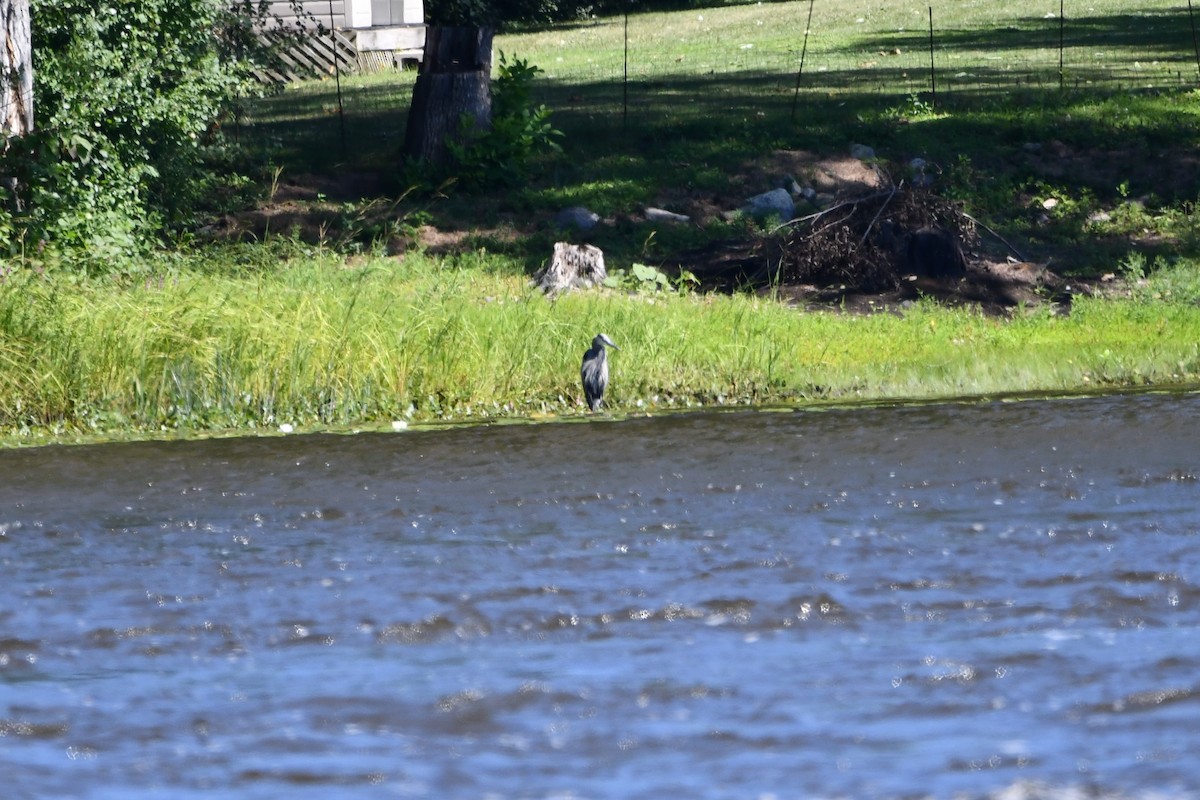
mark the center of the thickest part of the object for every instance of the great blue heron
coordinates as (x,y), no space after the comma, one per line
(595,370)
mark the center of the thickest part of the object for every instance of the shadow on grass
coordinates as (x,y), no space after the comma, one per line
(1142,36)
(625,144)
(307,128)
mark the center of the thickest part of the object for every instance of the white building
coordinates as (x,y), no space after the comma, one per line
(382,33)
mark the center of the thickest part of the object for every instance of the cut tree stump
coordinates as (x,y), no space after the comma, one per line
(455,80)
(574,266)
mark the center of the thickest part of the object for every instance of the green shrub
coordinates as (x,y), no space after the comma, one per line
(128,97)
(520,131)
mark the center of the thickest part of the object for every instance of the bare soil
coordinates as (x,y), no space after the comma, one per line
(830,257)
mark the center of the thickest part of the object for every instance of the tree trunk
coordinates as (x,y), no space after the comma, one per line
(455,80)
(16,69)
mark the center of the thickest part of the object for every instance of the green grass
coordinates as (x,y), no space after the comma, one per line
(248,338)
(729,72)
(319,346)
(712,91)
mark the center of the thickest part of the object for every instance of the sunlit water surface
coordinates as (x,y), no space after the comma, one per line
(991,600)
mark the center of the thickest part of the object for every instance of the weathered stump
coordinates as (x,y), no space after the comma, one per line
(574,266)
(455,80)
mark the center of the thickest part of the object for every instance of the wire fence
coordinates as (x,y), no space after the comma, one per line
(964,49)
(685,67)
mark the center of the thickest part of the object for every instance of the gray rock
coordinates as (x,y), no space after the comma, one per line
(919,177)
(662,215)
(792,185)
(775,203)
(862,152)
(577,217)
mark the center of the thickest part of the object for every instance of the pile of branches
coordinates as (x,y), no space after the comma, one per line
(862,242)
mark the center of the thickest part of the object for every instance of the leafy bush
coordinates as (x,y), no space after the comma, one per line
(643,278)
(519,130)
(128,98)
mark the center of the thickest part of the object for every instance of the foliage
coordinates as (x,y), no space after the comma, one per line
(300,339)
(643,278)
(1158,281)
(460,12)
(129,98)
(520,130)
(916,107)
(1133,267)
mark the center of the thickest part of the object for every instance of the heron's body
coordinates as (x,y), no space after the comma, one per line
(594,371)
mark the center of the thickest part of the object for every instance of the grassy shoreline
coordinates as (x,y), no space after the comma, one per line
(318,346)
(333,335)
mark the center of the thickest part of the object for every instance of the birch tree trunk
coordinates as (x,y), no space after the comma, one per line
(455,80)
(16,70)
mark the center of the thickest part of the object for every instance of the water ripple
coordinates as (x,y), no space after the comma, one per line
(967,601)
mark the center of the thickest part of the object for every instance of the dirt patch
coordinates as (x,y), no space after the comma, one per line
(316,208)
(837,177)
(831,178)
(340,187)
(1165,172)
(860,242)
(994,288)
(341,208)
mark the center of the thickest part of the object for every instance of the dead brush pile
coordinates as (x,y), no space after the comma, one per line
(870,243)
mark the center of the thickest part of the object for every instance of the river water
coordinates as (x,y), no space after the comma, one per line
(966,600)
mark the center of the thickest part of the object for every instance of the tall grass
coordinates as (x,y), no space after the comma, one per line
(227,344)
(316,345)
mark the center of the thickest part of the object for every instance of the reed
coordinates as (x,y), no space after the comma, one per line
(317,345)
